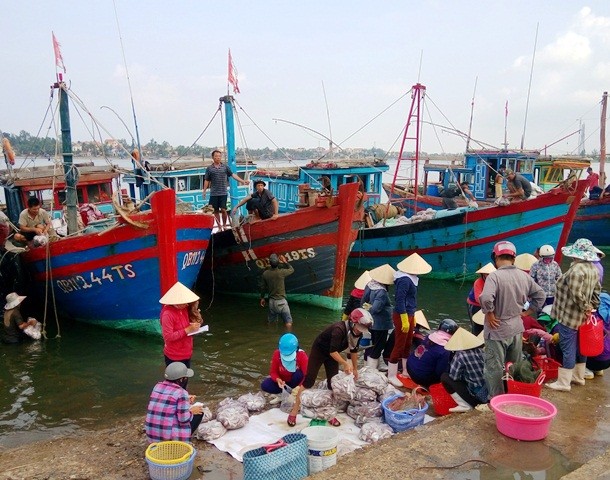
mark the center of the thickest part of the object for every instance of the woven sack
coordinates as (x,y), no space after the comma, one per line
(288,462)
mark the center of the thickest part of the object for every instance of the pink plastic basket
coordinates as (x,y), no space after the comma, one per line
(522,428)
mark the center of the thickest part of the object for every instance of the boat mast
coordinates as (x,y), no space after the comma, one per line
(418,91)
(231,161)
(602,140)
(471,113)
(70,172)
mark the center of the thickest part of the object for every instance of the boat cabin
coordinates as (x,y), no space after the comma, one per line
(48,184)
(296,187)
(185,178)
(549,171)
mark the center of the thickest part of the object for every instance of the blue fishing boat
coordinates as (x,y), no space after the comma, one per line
(458,242)
(114,276)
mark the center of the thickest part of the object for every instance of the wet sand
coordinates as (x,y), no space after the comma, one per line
(458,446)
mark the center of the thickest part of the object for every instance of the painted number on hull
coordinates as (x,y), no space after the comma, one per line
(302,254)
(193,258)
(93,278)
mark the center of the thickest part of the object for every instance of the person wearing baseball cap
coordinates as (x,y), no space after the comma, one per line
(261,203)
(505,293)
(171,414)
(326,350)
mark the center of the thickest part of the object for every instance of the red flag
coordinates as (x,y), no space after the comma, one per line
(59,61)
(233,74)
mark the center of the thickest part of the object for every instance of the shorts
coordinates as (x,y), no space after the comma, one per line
(279,307)
(219,202)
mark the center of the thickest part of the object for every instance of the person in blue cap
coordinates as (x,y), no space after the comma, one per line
(288,366)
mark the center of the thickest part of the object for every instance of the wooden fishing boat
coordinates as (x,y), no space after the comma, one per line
(316,240)
(115,275)
(458,242)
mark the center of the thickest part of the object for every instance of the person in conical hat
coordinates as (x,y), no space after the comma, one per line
(176,324)
(355,296)
(405,303)
(377,300)
(465,381)
(524,261)
(472,301)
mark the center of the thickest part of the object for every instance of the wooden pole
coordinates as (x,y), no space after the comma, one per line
(602,140)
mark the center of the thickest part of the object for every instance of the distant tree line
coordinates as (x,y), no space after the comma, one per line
(26,145)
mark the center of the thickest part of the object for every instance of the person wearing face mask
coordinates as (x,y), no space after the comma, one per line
(546,272)
(326,350)
(171,414)
(176,324)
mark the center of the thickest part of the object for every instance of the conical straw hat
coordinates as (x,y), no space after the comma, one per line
(178,295)
(383,274)
(362,280)
(525,261)
(420,319)
(479,318)
(487,268)
(415,265)
(462,339)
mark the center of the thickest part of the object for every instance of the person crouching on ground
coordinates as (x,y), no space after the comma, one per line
(465,381)
(176,324)
(505,293)
(170,414)
(577,295)
(288,366)
(326,350)
(406,280)
(472,301)
(430,359)
(377,298)
(355,296)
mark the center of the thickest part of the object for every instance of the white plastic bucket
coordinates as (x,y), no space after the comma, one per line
(322,447)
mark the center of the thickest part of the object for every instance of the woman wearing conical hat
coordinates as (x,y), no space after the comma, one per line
(406,280)
(377,298)
(465,381)
(355,296)
(472,301)
(176,325)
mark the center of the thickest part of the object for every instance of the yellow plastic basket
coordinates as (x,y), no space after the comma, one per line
(169,453)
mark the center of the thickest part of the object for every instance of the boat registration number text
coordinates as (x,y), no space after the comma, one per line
(90,279)
(294,255)
(193,258)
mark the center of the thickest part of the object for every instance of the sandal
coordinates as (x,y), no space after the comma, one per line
(334,422)
(292,420)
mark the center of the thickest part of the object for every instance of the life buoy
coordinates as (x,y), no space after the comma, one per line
(8,151)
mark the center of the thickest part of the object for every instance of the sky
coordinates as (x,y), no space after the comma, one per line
(331,66)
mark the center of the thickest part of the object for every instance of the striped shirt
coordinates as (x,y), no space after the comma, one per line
(168,416)
(577,290)
(467,366)
(218,176)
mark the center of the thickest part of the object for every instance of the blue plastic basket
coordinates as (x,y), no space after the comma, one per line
(176,471)
(403,419)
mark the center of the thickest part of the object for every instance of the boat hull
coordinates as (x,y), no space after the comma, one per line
(315,240)
(115,278)
(592,221)
(459,244)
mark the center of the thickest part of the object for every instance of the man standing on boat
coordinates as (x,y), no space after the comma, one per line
(261,202)
(217,179)
(518,185)
(272,283)
(505,293)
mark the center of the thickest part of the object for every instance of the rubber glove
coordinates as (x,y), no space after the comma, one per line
(344,317)
(555,338)
(404,318)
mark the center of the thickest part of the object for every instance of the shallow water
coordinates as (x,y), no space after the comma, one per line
(92,377)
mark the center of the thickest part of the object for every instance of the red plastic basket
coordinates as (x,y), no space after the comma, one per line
(441,400)
(549,366)
(533,389)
